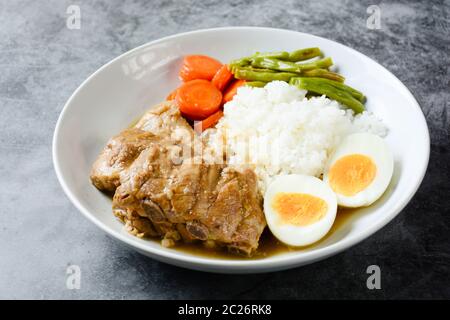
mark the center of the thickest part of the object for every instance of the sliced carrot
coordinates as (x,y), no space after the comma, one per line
(198,99)
(172,95)
(222,77)
(199,67)
(232,90)
(208,122)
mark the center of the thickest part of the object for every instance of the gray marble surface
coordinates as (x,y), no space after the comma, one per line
(42,62)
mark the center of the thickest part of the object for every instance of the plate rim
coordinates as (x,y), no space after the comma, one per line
(222,265)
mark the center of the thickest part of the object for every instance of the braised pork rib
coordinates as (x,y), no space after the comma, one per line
(159,191)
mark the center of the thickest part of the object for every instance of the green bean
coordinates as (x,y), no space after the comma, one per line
(282,55)
(358,95)
(323,73)
(274,64)
(279,65)
(252,75)
(240,62)
(252,69)
(246,60)
(324,86)
(318,64)
(256,84)
(304,54)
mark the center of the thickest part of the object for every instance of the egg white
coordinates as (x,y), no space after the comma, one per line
(377,150)
(299,235)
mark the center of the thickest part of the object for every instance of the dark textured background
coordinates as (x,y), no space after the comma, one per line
(41,233)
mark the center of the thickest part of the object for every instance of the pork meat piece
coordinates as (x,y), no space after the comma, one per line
(190,201)
(118,155)
(164,124)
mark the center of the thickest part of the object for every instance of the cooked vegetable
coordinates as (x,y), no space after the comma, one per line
(282,55)
(208,122)
(232,90)
(332,89)
(265,76)
(222,77)
(240,62)
(276,64)
(256,71)
(198,99)
(233,69)
(323,73)
(199,67)
(353,92)
(294,56)
(304,54)
(256,84)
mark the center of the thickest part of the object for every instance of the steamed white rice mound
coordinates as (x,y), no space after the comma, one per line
(276,130)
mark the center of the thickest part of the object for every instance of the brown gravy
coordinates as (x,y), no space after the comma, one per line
(268,244)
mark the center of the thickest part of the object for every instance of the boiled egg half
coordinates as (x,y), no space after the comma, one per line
(299,209)
(359,170)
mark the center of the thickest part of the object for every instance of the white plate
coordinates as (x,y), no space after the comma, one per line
(124,88)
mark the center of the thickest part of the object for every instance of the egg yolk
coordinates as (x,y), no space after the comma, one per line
(299,209)
(352,174)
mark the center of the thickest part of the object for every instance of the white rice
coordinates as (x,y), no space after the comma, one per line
(276,130)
